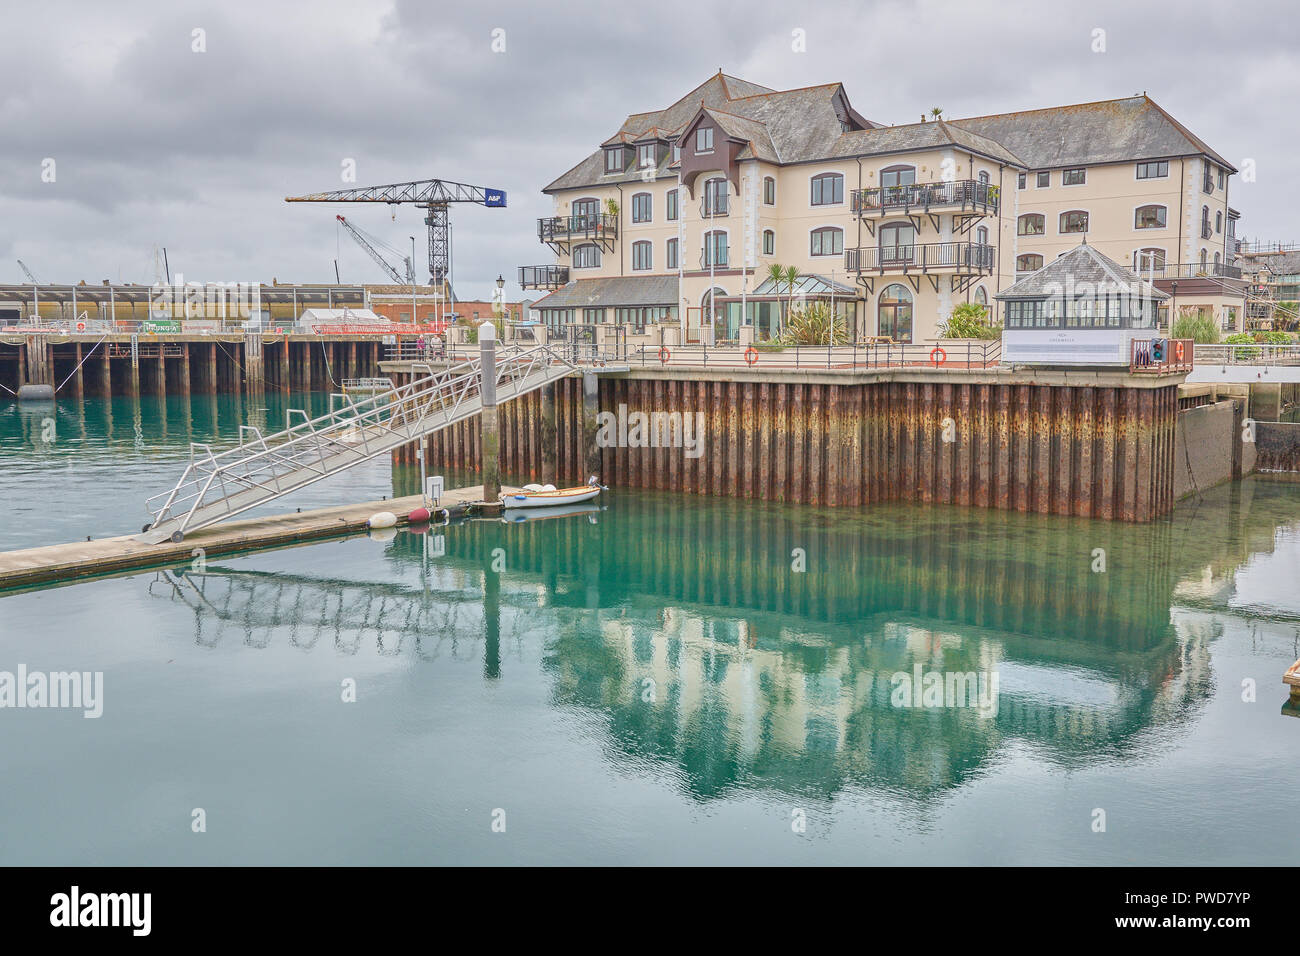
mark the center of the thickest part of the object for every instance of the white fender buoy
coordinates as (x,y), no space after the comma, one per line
(382,519)
(548,488)
(533,487)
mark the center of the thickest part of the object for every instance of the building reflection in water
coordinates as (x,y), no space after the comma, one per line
(684,623)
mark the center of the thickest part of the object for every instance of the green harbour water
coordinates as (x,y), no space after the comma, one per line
(666,679)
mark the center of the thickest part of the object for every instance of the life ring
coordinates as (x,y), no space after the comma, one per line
(664,355)
(751,356)
(81,326)
(1178,350)
(938,356)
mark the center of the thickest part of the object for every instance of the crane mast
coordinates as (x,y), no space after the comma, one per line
(435,196)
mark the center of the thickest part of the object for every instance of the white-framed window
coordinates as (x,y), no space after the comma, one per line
(981,297)
(715,197)
(827,189)
(1151,216)
(642,207)
(715,248)
(1031,224)
(826,241)
(586,256)
(642,255)
(1072,221)
(1148,259)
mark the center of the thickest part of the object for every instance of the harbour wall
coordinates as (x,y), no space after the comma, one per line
(97,365)
(1093,444)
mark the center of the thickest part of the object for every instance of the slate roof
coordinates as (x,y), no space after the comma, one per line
(1110,131)
(786,126)
(806,125)
(917,136)
(612,291)
(1082,265)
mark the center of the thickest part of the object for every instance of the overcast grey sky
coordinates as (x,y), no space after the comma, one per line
(155,144)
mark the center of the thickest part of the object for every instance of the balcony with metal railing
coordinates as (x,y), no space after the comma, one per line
(956,257)
(1188,270)
(543,277)
(561,230)
(970,196)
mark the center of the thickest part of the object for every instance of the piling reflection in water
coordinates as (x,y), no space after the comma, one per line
(685,625)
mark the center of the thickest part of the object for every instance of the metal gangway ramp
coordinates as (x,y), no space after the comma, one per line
(219,485)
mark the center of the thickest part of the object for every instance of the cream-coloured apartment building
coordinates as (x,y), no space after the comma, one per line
(680,214)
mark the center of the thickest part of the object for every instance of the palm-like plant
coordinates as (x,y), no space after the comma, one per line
(790,276)
(936,111)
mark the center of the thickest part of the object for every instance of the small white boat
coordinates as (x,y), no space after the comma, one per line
(548,496)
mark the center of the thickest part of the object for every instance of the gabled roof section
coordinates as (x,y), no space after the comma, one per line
(1081,266)
(746,130)
(1110,131)
(718,90)
(921,136)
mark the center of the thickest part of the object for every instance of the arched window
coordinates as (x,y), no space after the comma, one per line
(714,252)
(1031,224)
(981,297)
(1075,220)
(898,176)
(894,313)
(982,235)
(1205,222)
(827,189)
(670,259)
(642,255)
(586,256)
(769,242)
(715,197)
(1204,259)
(585,211)
(1150,217)
(642,207)
(1149,260)
(1029,262)
(769,191)
(1218,221)
(897,242)
(1216,263)
(827,241)
(984,176)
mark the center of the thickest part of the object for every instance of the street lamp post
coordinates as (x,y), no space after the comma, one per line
(414,317)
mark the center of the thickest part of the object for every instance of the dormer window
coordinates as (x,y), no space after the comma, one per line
(677,152)
(614,159)
(645,156)
(704,140)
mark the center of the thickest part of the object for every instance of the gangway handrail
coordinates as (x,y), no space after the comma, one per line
(260,470)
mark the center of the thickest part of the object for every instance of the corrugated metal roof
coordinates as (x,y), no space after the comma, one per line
(1083,266)
(612,291)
